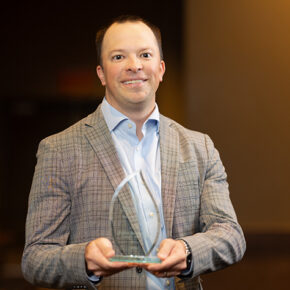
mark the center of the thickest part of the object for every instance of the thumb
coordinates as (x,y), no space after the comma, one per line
(105,247)
(165,249)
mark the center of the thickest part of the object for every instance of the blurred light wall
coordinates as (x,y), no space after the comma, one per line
(237,89)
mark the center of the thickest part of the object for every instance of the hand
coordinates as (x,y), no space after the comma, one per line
(172,253)
(97,256)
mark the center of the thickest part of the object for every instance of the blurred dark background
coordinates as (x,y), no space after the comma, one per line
(228,67)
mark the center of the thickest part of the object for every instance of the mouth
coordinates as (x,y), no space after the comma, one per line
(131,82)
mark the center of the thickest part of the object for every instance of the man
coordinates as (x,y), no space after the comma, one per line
(68,244)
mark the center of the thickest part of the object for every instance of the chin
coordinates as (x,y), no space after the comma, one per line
(141,97)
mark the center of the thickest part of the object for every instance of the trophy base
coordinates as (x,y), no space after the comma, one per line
(135,259)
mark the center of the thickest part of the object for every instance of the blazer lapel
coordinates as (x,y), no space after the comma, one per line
(169,152)
(100,139)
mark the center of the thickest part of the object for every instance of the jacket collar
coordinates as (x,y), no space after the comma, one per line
(99,137)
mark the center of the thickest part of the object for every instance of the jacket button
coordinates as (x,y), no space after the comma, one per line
(138,270)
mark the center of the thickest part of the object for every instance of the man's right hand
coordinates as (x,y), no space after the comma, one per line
(97,256)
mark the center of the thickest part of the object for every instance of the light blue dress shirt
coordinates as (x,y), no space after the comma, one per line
(142,155)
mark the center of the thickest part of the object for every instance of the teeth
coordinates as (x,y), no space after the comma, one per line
(133,82)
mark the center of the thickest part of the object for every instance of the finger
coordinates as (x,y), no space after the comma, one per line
(177,258)
(97,254)
(94,257)
(166,267)
(176,261)
(165,249)
(166,274)
(105,247)
(108,268)
(110,271)
(173,264)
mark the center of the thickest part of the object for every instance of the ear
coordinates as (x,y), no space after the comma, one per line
(101,75)
(162,70)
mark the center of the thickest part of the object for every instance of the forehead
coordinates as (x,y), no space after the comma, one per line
(128,34)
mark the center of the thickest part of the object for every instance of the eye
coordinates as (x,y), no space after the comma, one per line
(146,55)
(117,57)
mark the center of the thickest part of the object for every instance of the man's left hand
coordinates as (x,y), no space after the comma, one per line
(172,253)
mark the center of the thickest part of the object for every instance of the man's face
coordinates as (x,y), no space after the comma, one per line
(131,66)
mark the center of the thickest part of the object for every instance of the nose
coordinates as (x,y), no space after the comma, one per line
(134,64)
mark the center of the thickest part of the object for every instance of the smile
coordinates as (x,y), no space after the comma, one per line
(133,82)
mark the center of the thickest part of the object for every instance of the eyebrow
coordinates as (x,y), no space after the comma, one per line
(123,50)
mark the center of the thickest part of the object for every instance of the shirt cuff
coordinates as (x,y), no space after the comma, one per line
(94,279)
(188,271)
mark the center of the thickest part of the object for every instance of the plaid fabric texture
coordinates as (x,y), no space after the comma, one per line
(75,177)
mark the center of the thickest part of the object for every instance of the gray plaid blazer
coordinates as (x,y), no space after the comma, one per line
(75,177)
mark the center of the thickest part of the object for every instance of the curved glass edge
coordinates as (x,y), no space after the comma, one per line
(135,259)
(143,259)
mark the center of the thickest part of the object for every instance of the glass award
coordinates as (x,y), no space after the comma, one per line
(135,228)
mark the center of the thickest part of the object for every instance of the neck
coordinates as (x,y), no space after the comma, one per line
(139,120)
(138,114)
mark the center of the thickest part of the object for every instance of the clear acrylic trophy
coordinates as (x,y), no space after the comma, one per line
(134,245)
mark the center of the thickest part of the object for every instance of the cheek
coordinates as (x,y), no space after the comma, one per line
(111,74)
(113,71)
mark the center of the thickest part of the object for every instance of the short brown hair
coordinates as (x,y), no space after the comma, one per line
(122,19)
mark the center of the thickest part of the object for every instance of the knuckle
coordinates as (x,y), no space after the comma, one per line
(106,267)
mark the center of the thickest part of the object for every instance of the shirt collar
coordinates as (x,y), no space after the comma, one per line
(113,117)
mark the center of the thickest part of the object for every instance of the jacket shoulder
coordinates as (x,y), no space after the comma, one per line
(183,132)
(193,145)
(71,136)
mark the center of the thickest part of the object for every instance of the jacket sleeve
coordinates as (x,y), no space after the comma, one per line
(220,241)
(48,260)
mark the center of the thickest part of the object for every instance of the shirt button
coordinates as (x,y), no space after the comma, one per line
(151,214)
(167,282)
(129,125)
